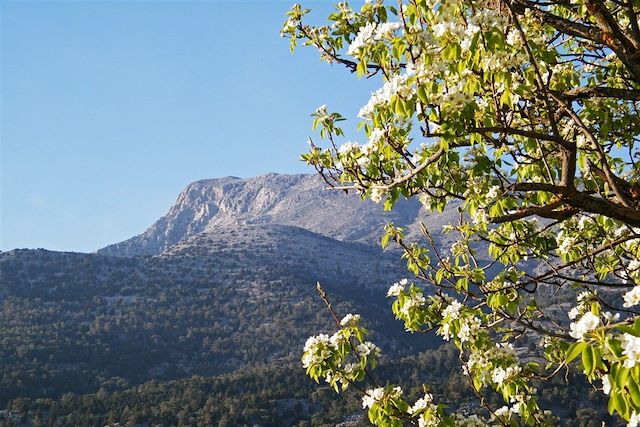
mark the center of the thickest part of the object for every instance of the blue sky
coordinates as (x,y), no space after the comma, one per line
(109,109)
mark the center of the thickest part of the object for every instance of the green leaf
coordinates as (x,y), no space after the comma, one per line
(634,391)
(587,361)
(618,402)
(621,377)
(422,94)
(399,107)
(505,99)
(384,242)
(361,69)
(382,13)
(574,351)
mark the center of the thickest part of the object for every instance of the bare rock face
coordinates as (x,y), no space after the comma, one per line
(293,200)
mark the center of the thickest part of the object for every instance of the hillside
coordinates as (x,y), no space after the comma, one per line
(215,302)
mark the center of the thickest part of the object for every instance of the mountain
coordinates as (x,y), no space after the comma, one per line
(296,200)
(201,319)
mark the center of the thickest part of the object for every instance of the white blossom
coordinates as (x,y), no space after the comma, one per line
(574,313)
(376,135)
(583,221)
(500,375)
(582,296)
(352,319)
(441,28)
(634,420)
(377,194)
(372,396)
(565,243)
(513,38)
(545,341)
(469,329)
(587,322)
(350,368)
(316,349)
(502,411)
(364,36)
(314,341)
(367,149)
(606,384)
(395,85)
(348,147)
(632,297)
(366,348)
(480,217)
(396,288)
(370,33)
(386,28)
(414,301)
(631,349)
(610,317)
(452,311)
(581,141)
(336,339)
(634,268)
(421,404)
(362,161)
(446,331)
(619,231)
(493,192)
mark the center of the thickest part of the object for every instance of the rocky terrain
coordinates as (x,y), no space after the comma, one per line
(297,200)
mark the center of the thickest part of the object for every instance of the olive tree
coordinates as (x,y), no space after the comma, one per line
(525,114)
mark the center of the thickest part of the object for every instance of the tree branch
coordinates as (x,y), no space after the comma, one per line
(599,92)
(546,211)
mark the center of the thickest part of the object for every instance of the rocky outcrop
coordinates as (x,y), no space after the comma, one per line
(295,200)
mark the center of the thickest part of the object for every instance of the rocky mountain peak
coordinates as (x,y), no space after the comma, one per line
(294,200)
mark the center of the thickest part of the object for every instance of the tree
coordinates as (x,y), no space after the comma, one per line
(525,114)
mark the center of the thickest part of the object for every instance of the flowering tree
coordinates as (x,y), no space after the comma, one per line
(525,113)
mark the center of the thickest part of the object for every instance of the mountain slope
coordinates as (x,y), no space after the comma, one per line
(287,248)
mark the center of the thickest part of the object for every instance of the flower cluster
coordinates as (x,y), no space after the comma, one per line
(500,374)
(366,349)
(483,361)
(632,298)
(370,33)
(398,85)
(565,242)
(350,320)
(372,396)
(316,350)
(341,358)
(587,323)
(631,349)
(397,288)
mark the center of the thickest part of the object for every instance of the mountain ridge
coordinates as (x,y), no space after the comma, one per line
(297,200)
